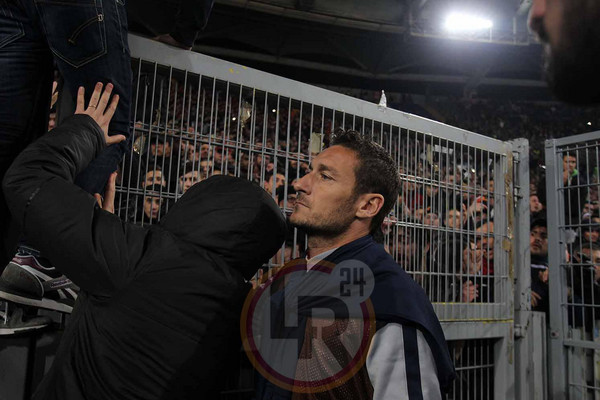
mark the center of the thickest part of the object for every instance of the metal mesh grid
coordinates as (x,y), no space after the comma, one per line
(576,184)
(444,229)
(474,363)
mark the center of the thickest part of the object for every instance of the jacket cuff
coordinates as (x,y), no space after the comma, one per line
(85,121)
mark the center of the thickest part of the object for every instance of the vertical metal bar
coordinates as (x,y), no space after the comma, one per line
(252,136)
(140,172)
(557,278)
(239,135)
(521,261)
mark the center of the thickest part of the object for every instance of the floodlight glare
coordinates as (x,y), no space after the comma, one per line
(466,23)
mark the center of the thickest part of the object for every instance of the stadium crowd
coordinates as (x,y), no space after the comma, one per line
(441,230)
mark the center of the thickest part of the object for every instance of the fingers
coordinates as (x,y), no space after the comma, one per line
(80,100)
(103,102)
(95,96)
(112,107)
(114,139)
(101,108)
(535,298)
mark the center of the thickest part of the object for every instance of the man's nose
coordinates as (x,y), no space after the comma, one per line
(302,184)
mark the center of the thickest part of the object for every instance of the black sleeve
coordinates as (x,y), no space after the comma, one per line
(90,246)
(191,19)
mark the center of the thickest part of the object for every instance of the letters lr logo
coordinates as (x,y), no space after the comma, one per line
(309,331)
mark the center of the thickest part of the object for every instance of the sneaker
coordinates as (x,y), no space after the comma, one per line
(16,322)
(30,279)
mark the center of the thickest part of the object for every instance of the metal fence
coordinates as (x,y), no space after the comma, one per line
(451,230)
(574,272)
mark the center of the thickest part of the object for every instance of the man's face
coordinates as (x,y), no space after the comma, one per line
(538,241)
(205,168)
(486,243)
(279,180)
(218,156)
(407,248)
(260,159)
(152,207)
(189,179)
(154,178)
(326,204)
(570,33)
(591,234)
(244,162)
(161,148)
(534,204)
(569,164)
(431,219)
(594,260)
(454,219)
(204,150)
(431,191)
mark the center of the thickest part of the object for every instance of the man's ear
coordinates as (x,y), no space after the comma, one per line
(369,205)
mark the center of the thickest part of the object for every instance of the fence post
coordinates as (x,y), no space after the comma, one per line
(521,267)
(557,278)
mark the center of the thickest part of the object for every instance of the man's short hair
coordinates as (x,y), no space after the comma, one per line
(376,171)
(592,246)
(539,222)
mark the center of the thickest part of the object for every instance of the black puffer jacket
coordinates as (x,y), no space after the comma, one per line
(158,315)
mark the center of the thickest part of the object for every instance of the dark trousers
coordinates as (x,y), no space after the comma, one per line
(87,41)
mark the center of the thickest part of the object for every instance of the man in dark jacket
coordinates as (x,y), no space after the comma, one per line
(159,306)
(341,202)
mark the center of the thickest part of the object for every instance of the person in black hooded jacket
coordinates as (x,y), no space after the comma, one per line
(159,308)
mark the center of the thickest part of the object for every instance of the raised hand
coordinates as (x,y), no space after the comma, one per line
(469,292)
(100,109)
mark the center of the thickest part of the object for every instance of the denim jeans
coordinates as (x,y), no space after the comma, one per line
(87,41)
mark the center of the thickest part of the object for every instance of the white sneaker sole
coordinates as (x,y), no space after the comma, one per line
(48,304)
(13,331)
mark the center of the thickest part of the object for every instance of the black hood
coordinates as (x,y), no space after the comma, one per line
(231,217)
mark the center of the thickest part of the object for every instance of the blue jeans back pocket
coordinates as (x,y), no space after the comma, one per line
(11,28)
(75,29)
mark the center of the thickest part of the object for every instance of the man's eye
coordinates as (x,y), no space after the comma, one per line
(326,177)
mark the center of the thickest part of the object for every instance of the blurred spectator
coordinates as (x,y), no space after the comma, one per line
(590,228)
(189,176)
(431,219)
(273,181)
(574,196)
(456,216)
(538,243)
(290,200)
(154,176)
(583,278)
(485,242)
(535,206)
(151,207)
